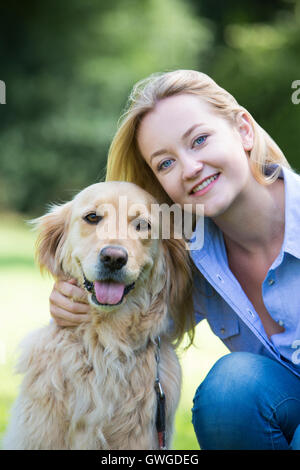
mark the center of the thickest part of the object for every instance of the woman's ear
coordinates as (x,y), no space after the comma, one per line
(52,229)
(245,129)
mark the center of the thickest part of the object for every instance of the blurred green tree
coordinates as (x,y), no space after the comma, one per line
(68,68)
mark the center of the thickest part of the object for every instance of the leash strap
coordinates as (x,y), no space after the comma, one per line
(161,404)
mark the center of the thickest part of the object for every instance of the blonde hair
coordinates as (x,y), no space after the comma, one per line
(126,163)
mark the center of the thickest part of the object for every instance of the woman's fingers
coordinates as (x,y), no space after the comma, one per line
(68,304)
(64,318)
(71,290)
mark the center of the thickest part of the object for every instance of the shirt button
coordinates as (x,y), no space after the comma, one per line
(271,282)
(222,330)
(250,313)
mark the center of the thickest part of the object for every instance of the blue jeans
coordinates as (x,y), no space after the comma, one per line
(248,402)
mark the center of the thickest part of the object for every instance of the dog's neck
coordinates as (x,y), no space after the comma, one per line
(129,328)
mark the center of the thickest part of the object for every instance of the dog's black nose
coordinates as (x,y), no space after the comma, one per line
(113,257)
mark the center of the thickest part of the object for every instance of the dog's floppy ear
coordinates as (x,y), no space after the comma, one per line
(52,229)
(180,288)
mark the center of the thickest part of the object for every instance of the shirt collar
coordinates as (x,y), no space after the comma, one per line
(291,242)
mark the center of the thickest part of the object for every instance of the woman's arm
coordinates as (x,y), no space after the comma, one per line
(68,304)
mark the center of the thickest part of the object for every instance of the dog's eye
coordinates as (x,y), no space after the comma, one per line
(141,225)
(92,218)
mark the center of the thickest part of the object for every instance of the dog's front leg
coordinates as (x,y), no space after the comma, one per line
(35,425)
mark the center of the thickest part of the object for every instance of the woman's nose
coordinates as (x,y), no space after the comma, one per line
(190,169)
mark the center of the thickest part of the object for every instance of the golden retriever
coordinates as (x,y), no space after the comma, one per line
(93,386)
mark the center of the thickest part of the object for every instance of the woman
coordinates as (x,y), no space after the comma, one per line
(186,140)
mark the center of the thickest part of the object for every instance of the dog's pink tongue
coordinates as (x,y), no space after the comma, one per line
(109,292)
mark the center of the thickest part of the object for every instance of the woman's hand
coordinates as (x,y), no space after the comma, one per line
(68,304)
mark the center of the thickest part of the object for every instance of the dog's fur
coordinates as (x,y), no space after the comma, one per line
(92,386)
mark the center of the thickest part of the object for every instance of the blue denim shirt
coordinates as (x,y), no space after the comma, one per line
(220,299)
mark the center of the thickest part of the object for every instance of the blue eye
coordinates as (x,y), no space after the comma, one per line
(164,164)
(200,140)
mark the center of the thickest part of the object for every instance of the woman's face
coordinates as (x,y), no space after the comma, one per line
(196,155)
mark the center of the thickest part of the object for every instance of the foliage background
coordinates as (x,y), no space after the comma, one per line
(68,68)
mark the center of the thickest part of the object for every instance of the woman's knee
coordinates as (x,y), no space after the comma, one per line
(225,400)
(231,375)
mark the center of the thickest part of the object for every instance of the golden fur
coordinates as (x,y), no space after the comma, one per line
(92,386)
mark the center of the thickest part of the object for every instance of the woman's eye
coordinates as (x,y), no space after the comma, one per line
(165,164)
(200,140)
(92,218)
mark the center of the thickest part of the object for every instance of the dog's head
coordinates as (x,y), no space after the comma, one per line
(108,238)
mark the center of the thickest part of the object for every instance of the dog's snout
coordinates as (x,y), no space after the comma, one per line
(113,257)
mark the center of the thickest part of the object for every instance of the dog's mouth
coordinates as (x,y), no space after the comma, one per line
(108,293)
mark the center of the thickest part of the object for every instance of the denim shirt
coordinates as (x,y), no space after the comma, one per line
(220,299)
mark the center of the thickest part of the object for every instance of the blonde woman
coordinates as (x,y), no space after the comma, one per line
(186,140)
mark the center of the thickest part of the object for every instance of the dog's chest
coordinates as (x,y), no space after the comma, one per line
(111,392)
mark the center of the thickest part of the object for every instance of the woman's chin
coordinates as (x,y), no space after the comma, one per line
(214,211)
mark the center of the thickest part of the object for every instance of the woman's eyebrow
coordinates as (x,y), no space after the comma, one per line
(185,135)
(156,154)
(190,130)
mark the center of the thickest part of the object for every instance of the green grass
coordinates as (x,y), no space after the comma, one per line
(24,306)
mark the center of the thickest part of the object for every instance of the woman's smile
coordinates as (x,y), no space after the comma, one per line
(205,185)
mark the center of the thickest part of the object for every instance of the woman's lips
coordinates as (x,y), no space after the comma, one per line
(204,190)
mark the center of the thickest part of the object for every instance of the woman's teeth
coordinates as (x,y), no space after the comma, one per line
(205,183)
